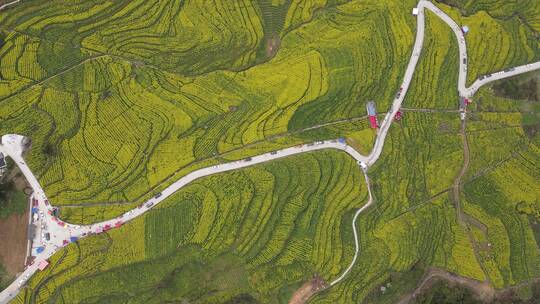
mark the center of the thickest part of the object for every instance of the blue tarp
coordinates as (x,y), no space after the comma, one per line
(73,239)
(40,249)
(35,210)
(341,140)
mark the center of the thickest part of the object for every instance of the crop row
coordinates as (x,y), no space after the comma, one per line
(253,230)
(190,38)
(501,34)
(108,129)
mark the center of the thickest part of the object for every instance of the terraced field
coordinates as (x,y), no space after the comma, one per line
(501,33)
(258,231)
(112,118)
(499,190)
(121,98)
(436,76)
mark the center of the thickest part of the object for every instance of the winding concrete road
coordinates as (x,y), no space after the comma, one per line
(3,6)
(61,233)
(355,233)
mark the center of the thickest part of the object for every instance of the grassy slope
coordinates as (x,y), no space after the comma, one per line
(442,242)
(502,33)
(410,223)
(253,231)
(115,121)
(503,174)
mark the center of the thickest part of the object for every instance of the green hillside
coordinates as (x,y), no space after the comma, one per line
(259,232)
(111,117)
(122,98)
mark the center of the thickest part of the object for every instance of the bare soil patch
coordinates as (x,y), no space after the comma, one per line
(13,235)
(272,46)
(304,293)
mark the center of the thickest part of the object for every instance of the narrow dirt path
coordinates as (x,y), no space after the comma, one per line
(308,290)
(465,220)
(456,189)
(483,290)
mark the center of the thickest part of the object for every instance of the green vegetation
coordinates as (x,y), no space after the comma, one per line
(12,198)
(396,285)
(501,33)
(5,278)
(441,293)
(89,214)
(436,75)
(12,201)
(524,87)
(120,99)
(115,118)
(505,157)
(528,11)
(245,234)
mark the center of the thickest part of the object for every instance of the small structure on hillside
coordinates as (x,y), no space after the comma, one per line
(465,29)
(372,114)
(415,11)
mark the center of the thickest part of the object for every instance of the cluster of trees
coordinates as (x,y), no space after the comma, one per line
(516,88)
(5,279)
(529,208)
(12,201)
(442,293)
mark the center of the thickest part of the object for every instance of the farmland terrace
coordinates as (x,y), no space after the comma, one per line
(259,229)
